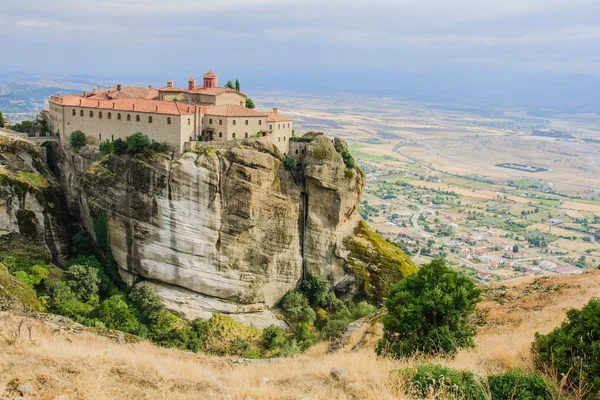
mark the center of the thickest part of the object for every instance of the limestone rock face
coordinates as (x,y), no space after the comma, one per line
(31,200)
(227,230)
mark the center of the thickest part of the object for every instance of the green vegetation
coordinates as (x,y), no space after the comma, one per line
(430,312)
(520,385)
(229,85)
(237,85)
(138,143)
(249,103)
(23,126)
(15,294)
(288,162)
(77,139)
(436,381)
(572,350)
(1,120)
(376,263)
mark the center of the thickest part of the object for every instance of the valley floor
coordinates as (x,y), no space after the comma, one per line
(61,362)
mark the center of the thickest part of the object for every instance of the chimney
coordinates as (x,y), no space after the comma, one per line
(119,87)
(98,103)
(149,86)
(156,108)
(242,103)
(169,84)
(133,106)
(113,104)
(98,87)
(79,101)
(84,94)
(191,84)
(275,109)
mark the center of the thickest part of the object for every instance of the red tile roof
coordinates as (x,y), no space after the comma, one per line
(275,117)
(232,110)
(127,104)
(132,92)
(210,74)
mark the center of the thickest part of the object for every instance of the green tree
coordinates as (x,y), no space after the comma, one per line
(229,85)
(1,120)
(83,281)
(573,349)
(430,312)
(106,147)
(237,85)
(297,309)
(249,103)
(137,143)
(23,126)
(273,337)
(77,139)
(115,314)
(119,146)
(515,248)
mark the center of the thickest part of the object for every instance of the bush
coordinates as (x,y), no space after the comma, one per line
(436,381)
(297,309)
(348,159)
(83,244)
(61,300)
(119,146)
(159,147)
(33,276)
(146,301)
(430,312)
(316,288)
(23,126)
(77,139)
(137,143)
(273,337)
(573,349)
(83,281)
(288,163)
(106,147)
(335,327)
(115,314)
(519,385)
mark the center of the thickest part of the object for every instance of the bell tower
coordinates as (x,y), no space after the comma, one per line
(211,80)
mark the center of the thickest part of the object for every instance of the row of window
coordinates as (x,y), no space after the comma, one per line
(210,121)
(109,116)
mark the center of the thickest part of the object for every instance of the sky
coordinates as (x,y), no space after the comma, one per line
(361,43)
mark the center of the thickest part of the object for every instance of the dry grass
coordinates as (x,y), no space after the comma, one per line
(85,366)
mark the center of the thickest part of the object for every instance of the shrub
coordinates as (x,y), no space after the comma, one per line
(363,309)
(77,139)
(573,349)
(436,381)
(23,126)
(430,312)
(348,159)
(137,143)
(83,244)
(335,327)
(519,385)
(159,147)
(288,163)
(106,147)
(297,309)
(115,314)
(61,300)
(83,281)
(273,337)
(33,276)
(146,301)
(316,288)
(119,146)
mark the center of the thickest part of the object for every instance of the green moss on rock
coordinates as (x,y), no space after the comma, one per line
(375,263)
(16,295)
(224,336)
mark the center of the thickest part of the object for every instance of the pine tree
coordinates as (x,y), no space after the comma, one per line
(237,85)
(229,85)
(1,120)
(249,103)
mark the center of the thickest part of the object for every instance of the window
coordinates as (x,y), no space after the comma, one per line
(91,114)
(271,127)
(137,118)
(128,117)
(81,113)
(220,122)
(296,151)
(109,116)
(259,122)
(279,139)
(233,135)
(112,137)
(74,112)
(210,121)
(284,138)
(100,114)
(189,121)
(99,136)
(149,120)
(278,126)
(220,134)
(169,121)
(234,121)
(246,122)
(119,116)
(246,134)
(288,125)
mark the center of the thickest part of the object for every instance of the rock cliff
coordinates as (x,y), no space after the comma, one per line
(230,229)
(31,200)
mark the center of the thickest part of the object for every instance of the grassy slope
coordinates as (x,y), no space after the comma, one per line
(84,364)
